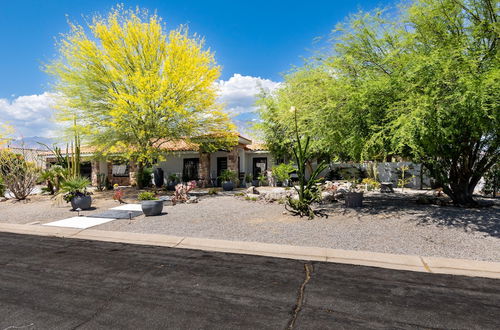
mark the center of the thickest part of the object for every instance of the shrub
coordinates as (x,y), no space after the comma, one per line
(248,178)
(2,188)
(19,176)
(282,171)
(492,181)
(212,191)
(370,183)
(144,177)
(147,196)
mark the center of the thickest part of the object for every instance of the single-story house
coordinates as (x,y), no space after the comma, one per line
(182,159)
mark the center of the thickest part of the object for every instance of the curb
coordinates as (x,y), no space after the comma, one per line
(365,258)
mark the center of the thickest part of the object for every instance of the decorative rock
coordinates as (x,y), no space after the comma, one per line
(386,187)
(253,196)
(252,190)
(192,200)
(328,197)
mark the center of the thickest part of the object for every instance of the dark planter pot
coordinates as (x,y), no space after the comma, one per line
(81,202)
(279,184)
(255,183)
(227,186)
(354,199)
(158,177)
(152,207)
(171,186)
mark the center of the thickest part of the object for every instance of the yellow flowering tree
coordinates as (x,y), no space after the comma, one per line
(5,133)
(133,86)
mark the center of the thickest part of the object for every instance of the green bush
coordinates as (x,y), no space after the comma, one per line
(147,196)
(2,188)
(282,171)
(492,181)
(144,177)
(370,183)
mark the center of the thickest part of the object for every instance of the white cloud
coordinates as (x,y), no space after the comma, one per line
(30,115)
(238,94)
(33,115)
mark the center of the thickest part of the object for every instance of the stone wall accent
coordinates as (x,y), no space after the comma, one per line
(232,160)
(204,169)
(132,173)
(121,181)
(95,171)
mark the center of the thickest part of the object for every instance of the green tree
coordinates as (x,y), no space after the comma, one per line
(132,87)
(421,84)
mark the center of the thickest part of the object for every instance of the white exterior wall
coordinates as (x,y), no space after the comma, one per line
(175,162)
(103,167)
(257,154)
(387,172)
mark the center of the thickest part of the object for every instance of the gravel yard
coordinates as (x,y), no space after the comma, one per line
(388,223)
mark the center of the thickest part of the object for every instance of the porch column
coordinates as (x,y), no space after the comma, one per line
(133,173)
(232,160)
(204,168)
(109,172)
(95,170)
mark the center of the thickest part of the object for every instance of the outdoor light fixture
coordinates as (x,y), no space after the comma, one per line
(129,217)
(78,210)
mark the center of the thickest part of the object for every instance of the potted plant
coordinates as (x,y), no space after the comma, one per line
(150,204)
(262,179)
(173,180)
(227,177)
(354,198)
(74,191)
(248,180)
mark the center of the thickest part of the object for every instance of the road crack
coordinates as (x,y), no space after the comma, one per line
(107,302)
(308,270)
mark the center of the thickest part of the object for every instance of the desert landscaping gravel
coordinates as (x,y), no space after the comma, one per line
(388,223)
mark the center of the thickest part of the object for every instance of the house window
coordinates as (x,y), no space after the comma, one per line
(120,170)
(190,169)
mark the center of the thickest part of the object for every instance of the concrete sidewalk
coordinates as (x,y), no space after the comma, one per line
(365,258)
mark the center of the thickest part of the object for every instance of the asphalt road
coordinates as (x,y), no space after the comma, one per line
(54,283)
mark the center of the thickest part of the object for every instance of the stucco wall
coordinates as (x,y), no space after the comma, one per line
(174,162)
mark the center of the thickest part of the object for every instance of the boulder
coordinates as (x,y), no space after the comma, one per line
(252,190)
(192,200)
(328,197)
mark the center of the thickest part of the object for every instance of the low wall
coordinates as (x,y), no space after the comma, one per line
(389,172)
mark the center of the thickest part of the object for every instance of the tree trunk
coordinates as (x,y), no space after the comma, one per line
(139,175)
(461,189)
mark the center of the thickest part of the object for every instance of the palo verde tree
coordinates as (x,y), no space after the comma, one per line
(133,86)
(422,84)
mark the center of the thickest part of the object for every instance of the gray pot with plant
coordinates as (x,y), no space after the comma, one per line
(82,202)
(74,191)
(227,177)
(150,204)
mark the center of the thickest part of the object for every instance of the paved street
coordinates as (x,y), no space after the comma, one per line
(54,283)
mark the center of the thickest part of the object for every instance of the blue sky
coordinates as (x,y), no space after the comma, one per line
(252,40)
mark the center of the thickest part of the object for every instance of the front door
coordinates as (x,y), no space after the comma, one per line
(190,169)
(221,166)
(259,167)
